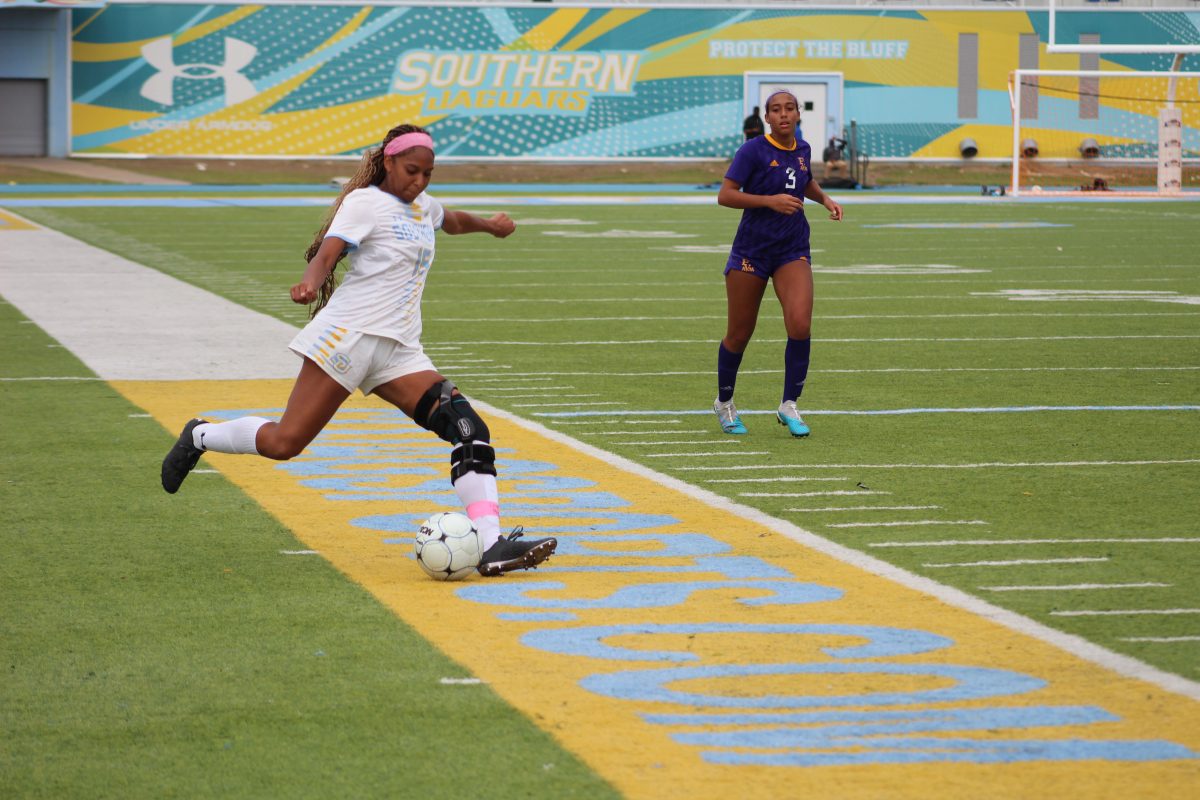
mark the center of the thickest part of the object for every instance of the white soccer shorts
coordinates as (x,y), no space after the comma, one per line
(358,360)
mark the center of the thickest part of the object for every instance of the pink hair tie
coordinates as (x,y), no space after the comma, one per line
(407,141)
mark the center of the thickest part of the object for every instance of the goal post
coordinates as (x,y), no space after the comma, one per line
(1129,131)
(1129,46)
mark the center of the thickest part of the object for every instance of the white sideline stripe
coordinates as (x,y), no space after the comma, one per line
(982,465)
(1076,645)
(300,552)
(988,542)
(866,508)
(771,480)
(904,524)
(840,493)
(1075,587)
(139,416)
(460,681)
(176,340)
(205,472)
(1166,639)
(1019,562)
(704,455)
(48,378)
(1126,612)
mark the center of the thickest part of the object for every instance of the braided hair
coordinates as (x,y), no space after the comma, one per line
(371,172)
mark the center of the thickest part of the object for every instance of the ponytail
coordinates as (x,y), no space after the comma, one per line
(371,172)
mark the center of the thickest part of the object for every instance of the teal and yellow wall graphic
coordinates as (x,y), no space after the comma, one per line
(176,79)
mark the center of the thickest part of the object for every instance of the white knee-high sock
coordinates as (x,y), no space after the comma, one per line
(479,496)
(235,436)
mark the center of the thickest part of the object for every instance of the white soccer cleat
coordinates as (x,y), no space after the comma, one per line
(727,415)
(789,417)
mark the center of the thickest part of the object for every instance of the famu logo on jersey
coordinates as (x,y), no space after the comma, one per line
(468,83)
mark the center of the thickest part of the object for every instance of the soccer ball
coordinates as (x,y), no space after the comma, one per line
(448,546)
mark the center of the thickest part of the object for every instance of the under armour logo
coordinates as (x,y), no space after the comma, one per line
(160,87)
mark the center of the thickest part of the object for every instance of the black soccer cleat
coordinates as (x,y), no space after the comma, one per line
(508,554)
(182,458)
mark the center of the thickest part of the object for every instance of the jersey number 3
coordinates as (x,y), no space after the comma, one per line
(791,181)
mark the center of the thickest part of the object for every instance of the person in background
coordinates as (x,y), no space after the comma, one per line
(753,125)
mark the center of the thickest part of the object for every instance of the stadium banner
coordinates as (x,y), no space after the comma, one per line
(272,79)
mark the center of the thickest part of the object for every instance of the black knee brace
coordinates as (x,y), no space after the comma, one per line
(456,422)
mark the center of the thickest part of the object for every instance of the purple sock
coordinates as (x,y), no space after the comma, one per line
(727,369)
(795,367)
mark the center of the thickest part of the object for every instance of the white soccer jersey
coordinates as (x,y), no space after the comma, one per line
(391,250)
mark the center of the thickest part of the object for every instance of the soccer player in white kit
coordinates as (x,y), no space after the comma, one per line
(366,336)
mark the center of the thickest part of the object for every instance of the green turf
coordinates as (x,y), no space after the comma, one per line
(158,646)
(580,311)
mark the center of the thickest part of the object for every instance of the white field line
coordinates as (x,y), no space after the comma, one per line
(1161,639)
(510,389)
(839,493)
(831,340)
(1075,587)
(905,524)
(571,405)
(897,370)
(299,552)
(865,508)
(772,480)
(695,441)
(50,378)
(623,422)
(641,433)
(1019,562)
(705,455)
(1129,612)
(1003,542)
(882,412)
(139,416)
(766,315)
(547,405)
(1076,645)
(982,465)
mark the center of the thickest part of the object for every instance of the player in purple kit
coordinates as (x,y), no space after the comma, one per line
(769,179)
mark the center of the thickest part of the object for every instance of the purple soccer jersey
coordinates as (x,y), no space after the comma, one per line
(765,238)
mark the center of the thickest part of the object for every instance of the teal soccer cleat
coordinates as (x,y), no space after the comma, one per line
(727,415)
(789,417)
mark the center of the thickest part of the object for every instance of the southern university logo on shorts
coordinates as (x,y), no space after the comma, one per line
(340,362)
(747,266)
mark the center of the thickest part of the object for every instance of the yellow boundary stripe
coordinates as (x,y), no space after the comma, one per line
(11,222)
(659,608)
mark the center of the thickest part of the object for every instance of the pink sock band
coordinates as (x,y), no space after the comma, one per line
(483,508)
(406,141)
